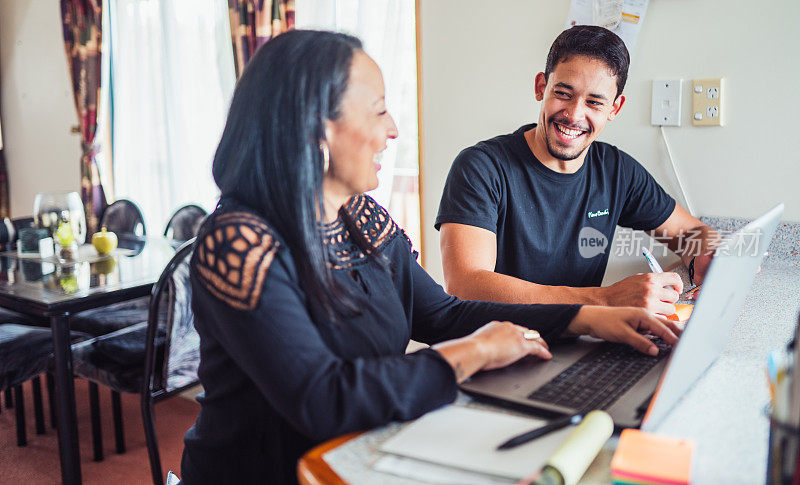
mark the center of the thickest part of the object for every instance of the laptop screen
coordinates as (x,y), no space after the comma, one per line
(726,284)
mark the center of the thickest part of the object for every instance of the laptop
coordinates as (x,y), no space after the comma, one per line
(587,373)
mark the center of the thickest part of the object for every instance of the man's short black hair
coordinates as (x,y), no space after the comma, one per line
(595,42)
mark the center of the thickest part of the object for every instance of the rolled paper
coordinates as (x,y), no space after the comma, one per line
(577,452)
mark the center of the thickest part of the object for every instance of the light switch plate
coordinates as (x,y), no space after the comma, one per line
(666,107)
(707,102)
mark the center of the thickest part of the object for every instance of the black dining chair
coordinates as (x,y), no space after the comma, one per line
(26,353)
(185,222)
(123,217)
(157,358)
(7,245)
(10,233)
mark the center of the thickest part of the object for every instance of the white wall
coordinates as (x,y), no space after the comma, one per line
(37,104)
(479,61)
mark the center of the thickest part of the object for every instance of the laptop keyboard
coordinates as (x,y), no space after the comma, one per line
(600,377)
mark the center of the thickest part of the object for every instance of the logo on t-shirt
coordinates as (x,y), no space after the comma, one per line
(591,214)
(591,242)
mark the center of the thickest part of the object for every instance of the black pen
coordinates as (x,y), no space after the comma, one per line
(554,425)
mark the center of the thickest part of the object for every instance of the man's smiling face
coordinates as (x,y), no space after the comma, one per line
(579,97)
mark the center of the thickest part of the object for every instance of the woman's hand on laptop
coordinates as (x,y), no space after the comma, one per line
(494,345)
(624,325)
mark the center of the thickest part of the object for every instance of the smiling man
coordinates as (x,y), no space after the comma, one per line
(528,217)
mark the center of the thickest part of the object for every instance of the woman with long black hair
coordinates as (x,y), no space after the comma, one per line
(306,293)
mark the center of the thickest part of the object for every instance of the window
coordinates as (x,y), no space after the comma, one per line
(388,30)
(172,78)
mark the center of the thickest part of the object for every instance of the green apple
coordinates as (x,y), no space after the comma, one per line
(104,241)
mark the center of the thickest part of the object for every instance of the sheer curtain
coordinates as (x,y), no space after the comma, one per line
(388,30)
(172,78)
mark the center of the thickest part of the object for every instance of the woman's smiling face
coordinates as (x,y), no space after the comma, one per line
(358,136)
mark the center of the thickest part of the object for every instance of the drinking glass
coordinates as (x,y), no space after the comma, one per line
(50,209)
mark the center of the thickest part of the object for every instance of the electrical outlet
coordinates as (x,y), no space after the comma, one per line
(666,107)
(707,97)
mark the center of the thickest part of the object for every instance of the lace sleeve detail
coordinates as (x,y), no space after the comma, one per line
(373,220)
(233,257)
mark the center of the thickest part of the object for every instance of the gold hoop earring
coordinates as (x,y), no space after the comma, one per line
(326,157)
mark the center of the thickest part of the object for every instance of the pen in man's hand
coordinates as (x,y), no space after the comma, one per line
(651,261)
(554,425)
(656,268)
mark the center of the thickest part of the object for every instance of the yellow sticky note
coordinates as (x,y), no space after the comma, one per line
(647,457)
(683,311)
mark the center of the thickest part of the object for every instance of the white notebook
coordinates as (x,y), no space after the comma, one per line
(466,438)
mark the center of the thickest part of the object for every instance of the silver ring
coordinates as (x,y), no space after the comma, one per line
(531,335)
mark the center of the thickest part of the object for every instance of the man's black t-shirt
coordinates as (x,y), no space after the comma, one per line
(552,228)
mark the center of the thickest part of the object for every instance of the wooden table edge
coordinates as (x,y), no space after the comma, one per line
(312,469)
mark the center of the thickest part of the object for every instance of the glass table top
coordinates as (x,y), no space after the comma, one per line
(137,262)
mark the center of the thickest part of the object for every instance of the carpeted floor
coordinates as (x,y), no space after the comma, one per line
(38,462)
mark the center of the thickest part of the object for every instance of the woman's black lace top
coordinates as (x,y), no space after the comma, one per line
(280,378)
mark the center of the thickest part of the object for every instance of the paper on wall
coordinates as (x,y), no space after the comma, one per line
(582,12)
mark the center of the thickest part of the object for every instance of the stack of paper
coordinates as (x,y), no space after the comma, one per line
(467,439)
(649,459)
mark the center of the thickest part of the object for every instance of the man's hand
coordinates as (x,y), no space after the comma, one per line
(655,292)
(689,238)
(701,265)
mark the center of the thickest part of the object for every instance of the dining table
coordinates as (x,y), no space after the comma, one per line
(53,290)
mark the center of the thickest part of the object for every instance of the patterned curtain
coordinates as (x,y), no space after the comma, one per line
(254,22)
(82,21)
(5,210)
